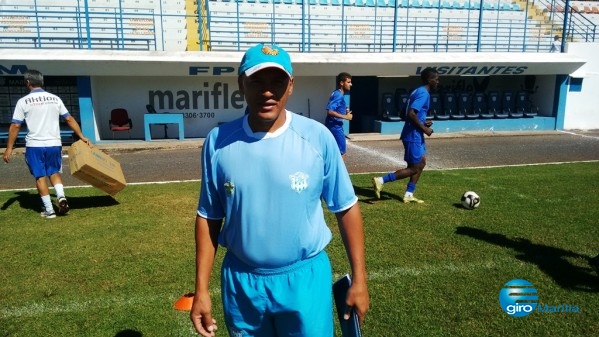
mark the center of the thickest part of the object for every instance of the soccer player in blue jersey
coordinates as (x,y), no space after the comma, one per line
(337,111)
(42,111)
(264,178)
(412,137)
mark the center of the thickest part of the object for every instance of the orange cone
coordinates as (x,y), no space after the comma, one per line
(184,302)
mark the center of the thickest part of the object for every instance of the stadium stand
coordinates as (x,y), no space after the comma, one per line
(307,26)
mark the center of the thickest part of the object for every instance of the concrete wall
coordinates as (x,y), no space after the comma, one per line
(217,100)
(582,108)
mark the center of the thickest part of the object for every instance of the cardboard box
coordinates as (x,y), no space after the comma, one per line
(95,167)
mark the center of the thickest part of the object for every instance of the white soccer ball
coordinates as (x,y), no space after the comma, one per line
(470,200)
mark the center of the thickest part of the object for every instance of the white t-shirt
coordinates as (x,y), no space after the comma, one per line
(41,111)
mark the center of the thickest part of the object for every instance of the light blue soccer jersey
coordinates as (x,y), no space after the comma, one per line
(419,101)
(268,188)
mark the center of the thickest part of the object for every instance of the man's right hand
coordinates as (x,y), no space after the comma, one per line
(201,315)
(7,154)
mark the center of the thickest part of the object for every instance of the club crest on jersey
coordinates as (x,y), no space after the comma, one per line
(299,181)
(229,188)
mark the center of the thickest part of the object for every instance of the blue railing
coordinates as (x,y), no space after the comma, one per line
(323,26)
(62,27)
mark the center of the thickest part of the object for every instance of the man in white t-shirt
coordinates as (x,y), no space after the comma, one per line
(556,45)
(41,111)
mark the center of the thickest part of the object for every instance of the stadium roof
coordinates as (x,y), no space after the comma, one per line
(134,63)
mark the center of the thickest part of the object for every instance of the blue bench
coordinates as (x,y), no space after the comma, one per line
(163,118)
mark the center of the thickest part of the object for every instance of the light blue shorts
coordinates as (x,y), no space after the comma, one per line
(43,161)
(295,300)
(414,151)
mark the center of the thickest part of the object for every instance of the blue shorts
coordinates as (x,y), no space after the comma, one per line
(43,161)
(340,139)
(294,300)
(414,151)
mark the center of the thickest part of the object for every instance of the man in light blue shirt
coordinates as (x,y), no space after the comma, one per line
(266,175)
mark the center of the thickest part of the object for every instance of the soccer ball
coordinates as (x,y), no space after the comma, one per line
(470,200)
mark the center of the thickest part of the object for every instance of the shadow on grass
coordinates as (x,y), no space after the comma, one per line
(367,195)
(128,333)
(32,201)
(550,260)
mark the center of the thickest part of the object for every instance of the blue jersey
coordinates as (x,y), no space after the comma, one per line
(419,101)
(268,187)
(337,104)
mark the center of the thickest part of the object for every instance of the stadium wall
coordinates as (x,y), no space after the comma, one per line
(582,105)
(203,85)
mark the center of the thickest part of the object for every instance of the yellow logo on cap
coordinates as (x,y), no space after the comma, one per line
(270,51)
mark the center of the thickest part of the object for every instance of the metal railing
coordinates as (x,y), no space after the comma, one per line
(376,26)
(59,27)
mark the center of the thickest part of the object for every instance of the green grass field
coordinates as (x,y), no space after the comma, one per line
(114,267)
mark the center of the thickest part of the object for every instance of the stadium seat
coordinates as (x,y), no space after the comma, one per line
(401,99)
(524,104)
(336,2)
(404,3)
(464,105)
(506,105)
(359,3)
(493,105)
(370,3)
(323,2)
(479,105)
(120,121)
(381,3)
(450,104)
(436,107)
(389,112)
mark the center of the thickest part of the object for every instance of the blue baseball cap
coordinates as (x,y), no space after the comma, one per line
(263,56)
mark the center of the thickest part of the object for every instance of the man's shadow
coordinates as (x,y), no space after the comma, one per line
(31,201)
(366,195)
(552,261)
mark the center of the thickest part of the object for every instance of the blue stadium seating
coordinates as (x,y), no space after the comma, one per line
(507,105)
(450,104)
(388,109)
(479,105)
(493,105)
(436,107)
(524,104)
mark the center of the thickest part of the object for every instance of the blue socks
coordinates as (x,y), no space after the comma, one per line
(411,188)
(389,177)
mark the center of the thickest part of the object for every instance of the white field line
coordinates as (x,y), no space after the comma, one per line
(514,165)
(395,162)
(374,155)
(578,134)
(39,309)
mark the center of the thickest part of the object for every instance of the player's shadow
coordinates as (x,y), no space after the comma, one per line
(553,261)
(128,333)
(366,195)
(31,201)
